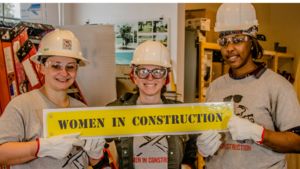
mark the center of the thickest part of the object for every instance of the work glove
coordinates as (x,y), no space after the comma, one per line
(94,147)
(185,166)
(208,142)
(243,129)
(58,146)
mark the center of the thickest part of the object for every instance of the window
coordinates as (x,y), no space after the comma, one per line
(10,12)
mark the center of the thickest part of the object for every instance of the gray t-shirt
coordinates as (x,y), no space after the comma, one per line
(22,121)
(270,101)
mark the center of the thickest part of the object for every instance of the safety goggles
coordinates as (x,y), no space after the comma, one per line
(58,66)
(156,73)
(237,39)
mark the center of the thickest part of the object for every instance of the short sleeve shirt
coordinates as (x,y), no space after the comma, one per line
(22,121)
(270,101)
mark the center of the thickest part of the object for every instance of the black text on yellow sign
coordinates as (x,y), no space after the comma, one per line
(138,120)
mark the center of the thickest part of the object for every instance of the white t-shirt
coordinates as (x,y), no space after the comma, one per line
(22,121)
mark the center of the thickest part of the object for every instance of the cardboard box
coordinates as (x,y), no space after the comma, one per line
(211,35)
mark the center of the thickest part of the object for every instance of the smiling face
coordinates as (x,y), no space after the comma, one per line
(60,72)
(236,52)
(149,85)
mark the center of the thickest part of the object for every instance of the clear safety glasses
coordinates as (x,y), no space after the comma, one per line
(156,73)
(58,66)
(237,39)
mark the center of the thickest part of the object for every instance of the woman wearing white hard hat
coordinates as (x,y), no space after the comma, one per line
(151,64)
(21,125)
(266,120)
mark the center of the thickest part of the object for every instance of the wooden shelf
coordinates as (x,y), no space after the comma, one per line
(202,85)
(208,45)
(278,54)
(275,56)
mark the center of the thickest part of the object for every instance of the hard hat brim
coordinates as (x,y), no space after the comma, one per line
(35,57)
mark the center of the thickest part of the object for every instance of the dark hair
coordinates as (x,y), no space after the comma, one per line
(256,49)
(43,58)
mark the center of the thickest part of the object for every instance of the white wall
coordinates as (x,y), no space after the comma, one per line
(114,13)
(109,13)
(97,44)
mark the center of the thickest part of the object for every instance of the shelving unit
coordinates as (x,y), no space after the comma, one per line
(275,57)
(271,58)
(205,61)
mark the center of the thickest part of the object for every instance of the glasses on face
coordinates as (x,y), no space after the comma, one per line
(237,39)
(156,73)
(58,66)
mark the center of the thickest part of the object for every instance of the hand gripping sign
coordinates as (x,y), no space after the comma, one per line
(123,121)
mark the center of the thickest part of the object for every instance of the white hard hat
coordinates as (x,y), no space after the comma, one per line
(151,53)
(60,43)
(235,16)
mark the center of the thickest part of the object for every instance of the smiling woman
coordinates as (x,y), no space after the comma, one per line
(257,99)
(150,66)
(59,55)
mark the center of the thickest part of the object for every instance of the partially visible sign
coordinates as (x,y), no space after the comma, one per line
(138,120)
(32,12)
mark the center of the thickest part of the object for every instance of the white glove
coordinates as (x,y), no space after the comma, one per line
(185,166)
(242,129)
(208,142)
(58,146)
(94,147)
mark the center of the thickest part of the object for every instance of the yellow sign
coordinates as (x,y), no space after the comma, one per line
(124,121)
